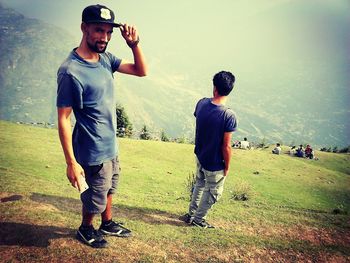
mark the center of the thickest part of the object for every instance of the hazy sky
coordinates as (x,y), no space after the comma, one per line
(204,30)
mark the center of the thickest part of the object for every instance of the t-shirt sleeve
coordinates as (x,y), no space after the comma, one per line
(231,122)
(195,110)
(115,62)
(69,92)
(198,106)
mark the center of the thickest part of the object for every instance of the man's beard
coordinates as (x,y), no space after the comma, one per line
(96,48)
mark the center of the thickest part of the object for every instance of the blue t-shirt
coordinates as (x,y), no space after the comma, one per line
(212,121)
(88,88)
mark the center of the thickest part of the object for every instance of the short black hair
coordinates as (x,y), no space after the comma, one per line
(223,81)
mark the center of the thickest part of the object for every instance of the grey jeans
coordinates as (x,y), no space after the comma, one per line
(207,191)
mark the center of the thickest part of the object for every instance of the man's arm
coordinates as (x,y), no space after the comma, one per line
(74,170)
(139,67)
(227,151)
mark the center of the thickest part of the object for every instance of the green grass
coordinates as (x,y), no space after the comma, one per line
(288,216)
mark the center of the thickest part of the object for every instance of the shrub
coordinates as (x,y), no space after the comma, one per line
(164,137)
(181,139)
(242,191)
(189,184)
(144,135)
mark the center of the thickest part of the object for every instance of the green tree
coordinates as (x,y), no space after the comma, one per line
(344,150)
(164,137)
(144,135)
(124,126)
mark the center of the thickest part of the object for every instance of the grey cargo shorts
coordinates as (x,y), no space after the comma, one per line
(102,180)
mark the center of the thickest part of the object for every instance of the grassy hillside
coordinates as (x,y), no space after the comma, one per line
(298,210)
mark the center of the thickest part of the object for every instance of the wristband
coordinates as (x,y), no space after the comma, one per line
(133,43)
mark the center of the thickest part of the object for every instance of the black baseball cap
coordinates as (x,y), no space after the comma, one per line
(99,14)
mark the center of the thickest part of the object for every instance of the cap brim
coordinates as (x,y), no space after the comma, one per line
(117,24)
(103,22)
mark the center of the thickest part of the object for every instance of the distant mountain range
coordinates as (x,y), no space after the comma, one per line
(291,106)
(30,54)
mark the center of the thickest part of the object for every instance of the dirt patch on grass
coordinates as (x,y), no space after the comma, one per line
(316,236)
(133,250)
(56,244)
(28,238)
(319,236)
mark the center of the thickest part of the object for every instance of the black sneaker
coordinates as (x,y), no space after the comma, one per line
(112,228)
(186,218)
(91,237)
(202,224)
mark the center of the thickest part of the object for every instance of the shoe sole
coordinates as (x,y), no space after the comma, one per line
(82,239)
(194,223)
(197,225)
(118,234)
(186,221)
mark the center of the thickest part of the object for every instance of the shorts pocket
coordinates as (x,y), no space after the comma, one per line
(95,169)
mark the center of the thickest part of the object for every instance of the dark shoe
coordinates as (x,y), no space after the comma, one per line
(186,218)
(112,228)
(202,224)
(91,237)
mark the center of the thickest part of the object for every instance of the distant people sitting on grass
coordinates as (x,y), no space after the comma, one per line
(236,144)
(309,153)
(277,149)
(245,144)
(293,151)
(300,152)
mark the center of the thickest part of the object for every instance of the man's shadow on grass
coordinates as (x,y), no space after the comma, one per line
(29,235)
(147,215)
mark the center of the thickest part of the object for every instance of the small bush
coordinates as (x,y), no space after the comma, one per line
(340,209)
(242,191)
(164,137)
(145,135)
(189,184)
(181,139)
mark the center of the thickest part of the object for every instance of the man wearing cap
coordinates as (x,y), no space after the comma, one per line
(85,87)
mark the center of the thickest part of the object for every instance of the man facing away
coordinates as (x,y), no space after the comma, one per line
(215,124)
(85,86)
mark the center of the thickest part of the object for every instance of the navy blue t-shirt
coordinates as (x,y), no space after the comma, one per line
(88,88)
(212,121)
